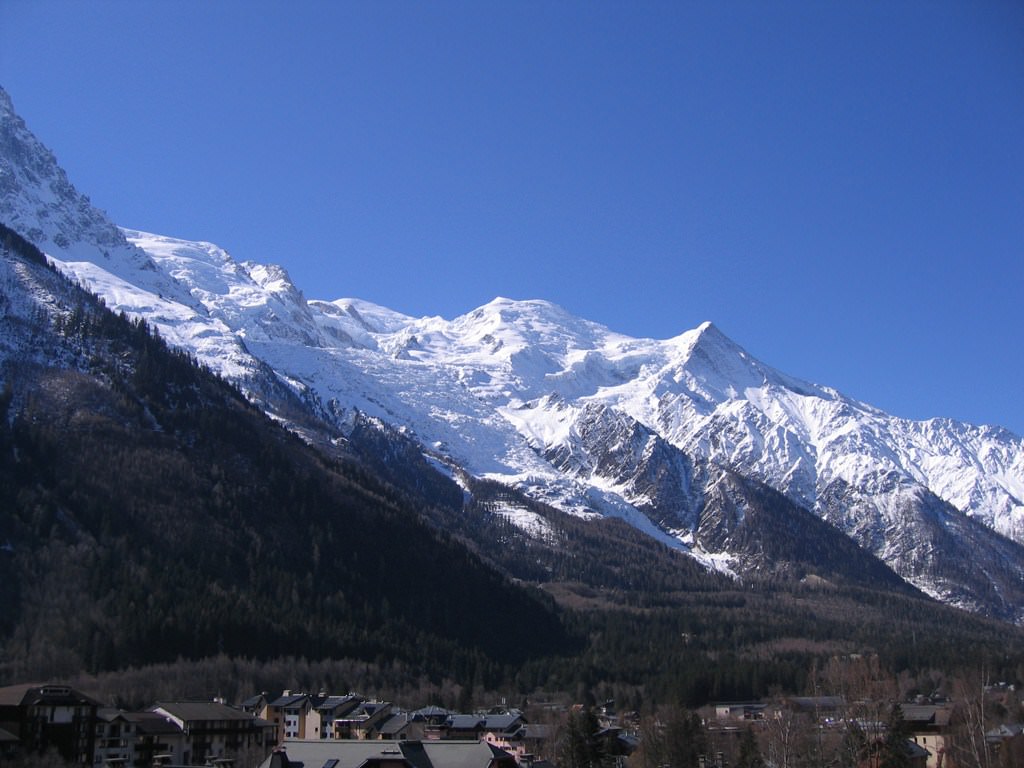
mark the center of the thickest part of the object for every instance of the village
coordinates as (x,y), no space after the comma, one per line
(55,724)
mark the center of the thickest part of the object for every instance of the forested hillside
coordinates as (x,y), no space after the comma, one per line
(149,512)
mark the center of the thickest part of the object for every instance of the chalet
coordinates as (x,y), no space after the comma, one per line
(256,705)
(115,738)
(502,724)
(306,716)
(213,730)
(363,721)
(289,713)
(402,726)
(53,715)
(464,727)
(331,709)
(1007,743)
(158,740)
(914,756)
(510,731)
(433,715)
(531,743)
(929,728)
(433,720)
(136,739)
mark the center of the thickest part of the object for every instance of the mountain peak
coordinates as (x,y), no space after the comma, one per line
(708,342)
(709,338)
(6,105)
(720,368)
(707,327)
(523,306)
(534,323)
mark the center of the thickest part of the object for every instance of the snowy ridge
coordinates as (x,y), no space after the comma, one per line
(38,201)
(565,409)
(596,422)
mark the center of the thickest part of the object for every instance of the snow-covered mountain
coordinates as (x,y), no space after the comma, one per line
(682,437)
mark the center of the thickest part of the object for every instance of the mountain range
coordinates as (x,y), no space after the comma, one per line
(693,441)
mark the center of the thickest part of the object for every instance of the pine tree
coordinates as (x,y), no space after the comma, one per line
(580,746)
(750,752)
(893,747)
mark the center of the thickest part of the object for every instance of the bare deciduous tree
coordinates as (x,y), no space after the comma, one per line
(968,747)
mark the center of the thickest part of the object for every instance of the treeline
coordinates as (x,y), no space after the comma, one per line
(12,241)
(740,645)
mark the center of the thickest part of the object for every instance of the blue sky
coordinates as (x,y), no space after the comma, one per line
(839,186)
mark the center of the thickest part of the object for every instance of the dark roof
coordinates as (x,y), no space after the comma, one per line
(350,701)
(465,722)
(316,753)
(433,711)
(629,741)
(395,723)
(912,750)
(502,722)
(6,737)
(414,752)
(1005,731)
(290,700)
(12,695)
(188,711)
(365,711)
(926,714)
(48,693)
(153,723)
(109,714)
